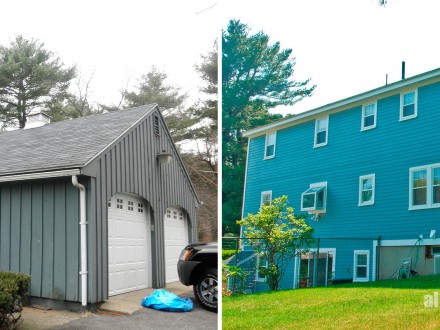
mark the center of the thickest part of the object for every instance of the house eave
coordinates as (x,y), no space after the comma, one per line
(350,102)
(40,175)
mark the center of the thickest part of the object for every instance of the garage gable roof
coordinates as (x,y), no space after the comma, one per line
(66,144)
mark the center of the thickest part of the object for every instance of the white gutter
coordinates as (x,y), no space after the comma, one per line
(83,223)
(39,175)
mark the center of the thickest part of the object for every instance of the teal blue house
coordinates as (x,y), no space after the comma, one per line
(366,171)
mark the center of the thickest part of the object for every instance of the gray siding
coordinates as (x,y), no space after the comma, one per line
(130,165)
(39,236)
(39,220)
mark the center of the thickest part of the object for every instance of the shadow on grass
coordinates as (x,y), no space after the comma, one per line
(413,282)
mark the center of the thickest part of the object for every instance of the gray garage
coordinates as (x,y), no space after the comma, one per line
(94,206)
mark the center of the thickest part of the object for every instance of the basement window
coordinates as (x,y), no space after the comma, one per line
(314,198)
(361,267)
(261,264)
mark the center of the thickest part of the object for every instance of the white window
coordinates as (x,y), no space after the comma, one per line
(321,132)
(140,207)
(109,204)
(261,264)
(315,198)
(174,215)
(408,105)
(361,266)
(366,189)
(180,216)
(369,113)
(269,148)
(424,187)
(130,206)
(119,203)
(266,198)
(168,214)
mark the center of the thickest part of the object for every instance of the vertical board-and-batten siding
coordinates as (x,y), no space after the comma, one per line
(130,165)
(39,235)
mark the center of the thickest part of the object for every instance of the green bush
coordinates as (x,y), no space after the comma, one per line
(14,288)
(227,254)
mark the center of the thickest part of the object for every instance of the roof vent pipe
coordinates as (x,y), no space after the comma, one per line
(403,70)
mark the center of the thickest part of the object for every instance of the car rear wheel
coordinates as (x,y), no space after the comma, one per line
(206,289)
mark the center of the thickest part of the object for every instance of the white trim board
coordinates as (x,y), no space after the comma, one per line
(40,175)
(350,102)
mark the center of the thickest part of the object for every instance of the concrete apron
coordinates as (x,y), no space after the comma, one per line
(128,303)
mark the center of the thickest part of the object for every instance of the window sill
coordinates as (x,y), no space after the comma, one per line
(360,280)
(366,204)
(367,128)
(271,157)
(408,117)
(319,145)
(424,207)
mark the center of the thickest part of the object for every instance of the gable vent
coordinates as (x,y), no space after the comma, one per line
(156,125)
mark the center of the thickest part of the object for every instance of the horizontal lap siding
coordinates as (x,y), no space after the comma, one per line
(388,150)
(39,236)
(131,166)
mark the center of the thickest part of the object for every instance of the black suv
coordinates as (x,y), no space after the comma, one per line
(197,266)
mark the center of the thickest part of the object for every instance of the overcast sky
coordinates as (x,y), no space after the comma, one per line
(346,46)
(119,40)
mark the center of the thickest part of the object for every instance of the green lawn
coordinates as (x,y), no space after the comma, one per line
(391,304)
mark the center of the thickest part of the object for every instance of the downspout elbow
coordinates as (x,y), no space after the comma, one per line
(83,231)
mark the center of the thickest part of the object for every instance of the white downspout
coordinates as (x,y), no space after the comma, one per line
(83,223)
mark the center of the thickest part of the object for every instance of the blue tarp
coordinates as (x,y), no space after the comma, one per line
(167,301)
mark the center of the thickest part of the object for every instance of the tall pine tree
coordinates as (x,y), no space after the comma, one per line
(257,76)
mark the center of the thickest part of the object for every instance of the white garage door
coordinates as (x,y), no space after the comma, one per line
(128,244)
(176,238)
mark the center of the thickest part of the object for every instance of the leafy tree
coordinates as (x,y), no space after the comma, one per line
(152,88)
(31,77)
(277,235)
(257,76)
(202,161)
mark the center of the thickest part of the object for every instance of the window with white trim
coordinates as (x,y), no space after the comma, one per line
(119,204)
(269,147)
(369,113)
(169,214)
(261,264)
(424,187)
(130,206)
(361,266)
(366,189)
(140,207)
(266,198)
(315,198)
(321,132)
(408,105)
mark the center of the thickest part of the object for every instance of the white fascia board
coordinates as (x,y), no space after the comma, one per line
(352,101)
(39,175)
(409,242)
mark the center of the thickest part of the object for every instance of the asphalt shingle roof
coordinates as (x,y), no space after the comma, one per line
(66,144)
